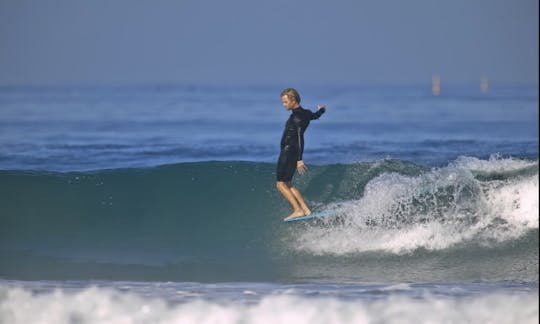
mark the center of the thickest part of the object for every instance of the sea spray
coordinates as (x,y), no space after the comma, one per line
(435,210)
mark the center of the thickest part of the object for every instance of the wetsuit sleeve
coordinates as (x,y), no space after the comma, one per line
(302,128)
(302,123)
(300,142)
(318,114)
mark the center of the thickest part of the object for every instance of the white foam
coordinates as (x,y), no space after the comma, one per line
(434,211)
(516,202)
(98,305)
(495,163)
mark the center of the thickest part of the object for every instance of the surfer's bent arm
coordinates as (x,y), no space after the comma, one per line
(300,143)
(300,166)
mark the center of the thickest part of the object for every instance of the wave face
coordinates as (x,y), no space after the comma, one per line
(221,221)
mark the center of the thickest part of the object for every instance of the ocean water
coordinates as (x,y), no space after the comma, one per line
(157,204)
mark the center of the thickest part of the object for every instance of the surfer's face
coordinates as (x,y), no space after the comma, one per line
(288,103)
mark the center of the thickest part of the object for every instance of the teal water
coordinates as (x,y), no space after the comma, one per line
(222,221)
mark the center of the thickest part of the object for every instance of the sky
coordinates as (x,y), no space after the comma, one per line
(251,42)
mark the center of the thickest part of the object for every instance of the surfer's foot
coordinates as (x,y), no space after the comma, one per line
(306,211)
(295,214)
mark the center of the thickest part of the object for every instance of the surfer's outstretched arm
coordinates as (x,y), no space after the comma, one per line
(320,110)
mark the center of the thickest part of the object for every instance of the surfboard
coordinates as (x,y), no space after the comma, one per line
(313,216)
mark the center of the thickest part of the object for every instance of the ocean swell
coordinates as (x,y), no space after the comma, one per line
(222,221)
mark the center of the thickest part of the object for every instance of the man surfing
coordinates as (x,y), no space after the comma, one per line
(292,148)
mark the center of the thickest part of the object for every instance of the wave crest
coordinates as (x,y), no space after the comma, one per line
(466,202)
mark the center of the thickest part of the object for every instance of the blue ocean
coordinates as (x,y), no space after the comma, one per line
(157,204)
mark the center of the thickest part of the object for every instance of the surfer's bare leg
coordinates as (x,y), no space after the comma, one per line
(285,189)
(300,200)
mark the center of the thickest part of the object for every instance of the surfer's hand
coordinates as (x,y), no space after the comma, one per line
(301,167)
(319,107)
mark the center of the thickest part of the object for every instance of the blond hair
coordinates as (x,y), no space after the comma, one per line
(292,94)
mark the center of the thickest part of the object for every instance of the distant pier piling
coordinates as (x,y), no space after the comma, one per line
(436,85)
(484,84)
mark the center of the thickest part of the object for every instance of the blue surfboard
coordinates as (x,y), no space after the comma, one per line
(313,216)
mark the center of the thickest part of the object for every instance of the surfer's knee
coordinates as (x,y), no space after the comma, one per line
(282,185)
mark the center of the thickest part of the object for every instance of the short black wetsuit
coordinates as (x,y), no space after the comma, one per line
(292,141)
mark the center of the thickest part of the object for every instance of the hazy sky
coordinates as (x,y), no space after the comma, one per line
(267,42)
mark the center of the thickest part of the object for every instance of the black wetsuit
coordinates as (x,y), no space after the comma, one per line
(292,141)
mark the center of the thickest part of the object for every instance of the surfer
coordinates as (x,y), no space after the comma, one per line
(292,148)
